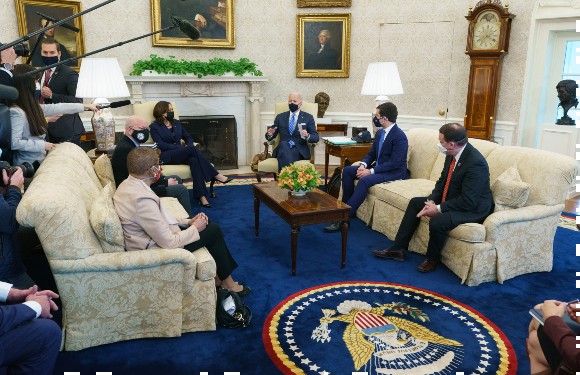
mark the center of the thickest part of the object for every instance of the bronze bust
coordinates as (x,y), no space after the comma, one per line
(323,100)
(567,95)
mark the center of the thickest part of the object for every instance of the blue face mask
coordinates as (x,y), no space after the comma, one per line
(377,122)
(293,107)
(49,60)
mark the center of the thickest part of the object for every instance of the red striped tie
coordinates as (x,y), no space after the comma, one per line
(451,167)
(46,80)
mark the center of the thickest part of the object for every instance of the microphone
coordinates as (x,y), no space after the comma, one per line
(186,27)
(120,103)
(54,20)
(8,93)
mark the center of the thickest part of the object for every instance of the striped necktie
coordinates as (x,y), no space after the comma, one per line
(291,127)
(449,174)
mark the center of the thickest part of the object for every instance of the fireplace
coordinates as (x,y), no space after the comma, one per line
(217,138)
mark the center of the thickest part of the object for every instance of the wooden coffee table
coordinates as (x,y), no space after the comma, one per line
(315,208)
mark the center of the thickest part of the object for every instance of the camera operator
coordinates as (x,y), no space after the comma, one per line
(7,59)
(11,267)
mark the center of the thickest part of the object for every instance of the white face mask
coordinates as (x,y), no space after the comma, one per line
(442,149)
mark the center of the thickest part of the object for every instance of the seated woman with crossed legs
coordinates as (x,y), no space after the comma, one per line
(168,133)
(146,225)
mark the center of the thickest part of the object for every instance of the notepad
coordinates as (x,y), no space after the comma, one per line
(340,140)
(537,314)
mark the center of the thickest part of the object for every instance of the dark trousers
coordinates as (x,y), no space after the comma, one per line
(286,155)
(439,226)
(201,168)
(213,239)
(354,196)
(31,348)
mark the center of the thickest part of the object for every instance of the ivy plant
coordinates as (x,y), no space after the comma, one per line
(216,66)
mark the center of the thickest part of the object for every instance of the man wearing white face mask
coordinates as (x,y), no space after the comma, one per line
(461,195)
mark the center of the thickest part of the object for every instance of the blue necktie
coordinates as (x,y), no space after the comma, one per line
(381,141)
(291,127)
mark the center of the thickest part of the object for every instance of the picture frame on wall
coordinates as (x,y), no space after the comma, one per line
(323,45)
(71,43)
(322,3)
(213,18)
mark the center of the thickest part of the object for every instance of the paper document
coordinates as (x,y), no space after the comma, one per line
(340,140)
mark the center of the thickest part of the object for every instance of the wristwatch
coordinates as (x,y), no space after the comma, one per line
(8,66)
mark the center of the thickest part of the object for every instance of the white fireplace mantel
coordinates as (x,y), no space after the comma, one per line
(210,96)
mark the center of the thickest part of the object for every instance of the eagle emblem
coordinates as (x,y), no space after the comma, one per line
(390,344)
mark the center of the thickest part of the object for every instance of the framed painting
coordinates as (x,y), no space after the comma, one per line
(322,3)
(213,18)
(322,45)
(71,41)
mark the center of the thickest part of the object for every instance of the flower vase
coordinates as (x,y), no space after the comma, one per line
(298,193)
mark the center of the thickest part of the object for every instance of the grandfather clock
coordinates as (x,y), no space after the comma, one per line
(487,42)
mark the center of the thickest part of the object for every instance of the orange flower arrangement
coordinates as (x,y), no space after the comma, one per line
(299,177)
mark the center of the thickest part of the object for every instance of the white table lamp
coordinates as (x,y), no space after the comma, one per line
(382,79)
(102,79)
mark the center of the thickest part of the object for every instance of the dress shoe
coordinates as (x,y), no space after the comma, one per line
(334,227)
(228,180)
(398,255)
(428,265)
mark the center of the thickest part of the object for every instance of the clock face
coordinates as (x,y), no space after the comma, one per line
(486,31)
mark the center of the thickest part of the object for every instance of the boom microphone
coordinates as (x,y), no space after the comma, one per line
(186,27)
(65,25)
(120,103)
(8,93)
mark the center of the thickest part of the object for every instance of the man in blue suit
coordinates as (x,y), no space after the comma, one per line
(389,151)
(296,129)
(27,345)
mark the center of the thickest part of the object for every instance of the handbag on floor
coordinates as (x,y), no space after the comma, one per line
(231,312)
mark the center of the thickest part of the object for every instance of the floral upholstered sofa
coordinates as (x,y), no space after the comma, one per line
(529,188)
(109,294)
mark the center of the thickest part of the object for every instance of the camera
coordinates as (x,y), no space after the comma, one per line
(27,169)
(21,49)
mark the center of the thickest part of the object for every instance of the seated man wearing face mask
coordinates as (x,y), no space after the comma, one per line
(461,195)
(137,133)
(389,152)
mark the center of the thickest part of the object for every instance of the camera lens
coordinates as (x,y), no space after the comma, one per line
(21,50)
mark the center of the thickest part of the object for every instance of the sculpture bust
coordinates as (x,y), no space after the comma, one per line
(323,100)
(567,95)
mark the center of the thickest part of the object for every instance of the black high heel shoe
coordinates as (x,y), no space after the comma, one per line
(207,205)
(228,180)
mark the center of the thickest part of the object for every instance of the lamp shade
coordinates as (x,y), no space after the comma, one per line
(382,78)
(101,78)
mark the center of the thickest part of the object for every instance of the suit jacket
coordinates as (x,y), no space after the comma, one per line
(63,83)
(146,225)
(392,161)
(6,78)
(326,59)
(469,193)
(281,122)
(168,139)
(120,171)
(565,340)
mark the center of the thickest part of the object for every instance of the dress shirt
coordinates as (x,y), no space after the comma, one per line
(7,71)
(5,289)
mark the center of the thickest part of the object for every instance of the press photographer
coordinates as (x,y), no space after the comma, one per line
(7,59)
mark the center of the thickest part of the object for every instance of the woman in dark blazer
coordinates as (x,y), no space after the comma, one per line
(168,134)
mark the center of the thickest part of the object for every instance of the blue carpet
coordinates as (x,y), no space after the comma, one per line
(265,266)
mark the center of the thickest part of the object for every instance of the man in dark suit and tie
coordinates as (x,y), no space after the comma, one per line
(461,195)
(59,85)
(296,129)
(389,152)
(7,58)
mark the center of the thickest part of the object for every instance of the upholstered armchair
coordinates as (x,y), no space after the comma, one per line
(270,164)
(109,294)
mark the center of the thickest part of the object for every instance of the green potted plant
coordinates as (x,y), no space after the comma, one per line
(216,66)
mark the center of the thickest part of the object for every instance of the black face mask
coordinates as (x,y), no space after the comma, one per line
(377,122)
(140,136)
(170,115)
(49,60)
(293,107)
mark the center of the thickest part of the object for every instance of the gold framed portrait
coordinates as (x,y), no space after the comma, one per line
(71,42)
(213,18)
(323,45)
(323,3)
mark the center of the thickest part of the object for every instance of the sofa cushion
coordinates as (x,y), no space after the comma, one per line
(399,193)
(509,191)
(104,171)
(106,223)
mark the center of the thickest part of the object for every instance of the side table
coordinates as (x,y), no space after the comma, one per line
(353,152)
